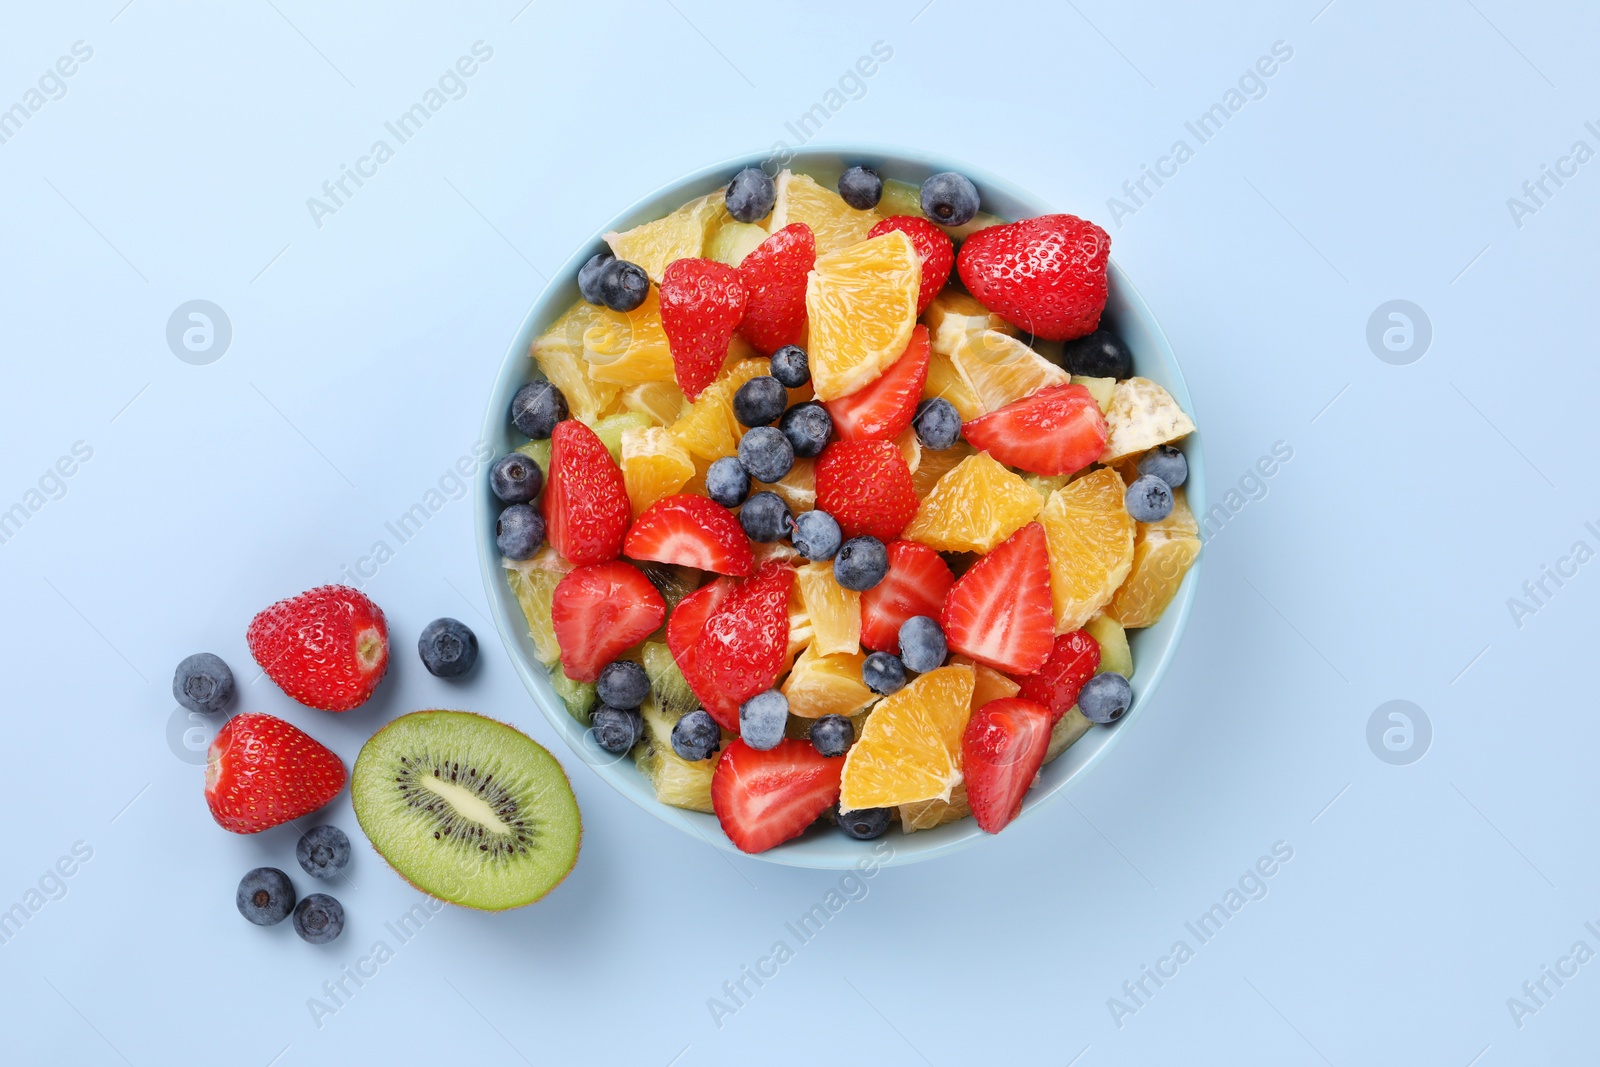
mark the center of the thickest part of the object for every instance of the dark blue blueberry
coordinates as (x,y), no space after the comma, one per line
(937,423)
(319,919)
(883,673)
(816,535)
(861,188)
(448,648)
(203,683)
(589,276)
(696,736)
(866,824)
(519,532)
(1099,355)
(766,454)
(808,427)
(516,478)
(765,517)
(790,366)
(751,195)
(861,563)
(536,409)
(265,896)
(622,684)
(1149,499)
(623,285)
(760,401)
(323,851)
(949,198)
(616,730)
(762,719)
(1166,463)
(922,645)
(831,735)
(727,483)
(1105,697)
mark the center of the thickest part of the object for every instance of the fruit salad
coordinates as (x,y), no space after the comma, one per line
(836,507)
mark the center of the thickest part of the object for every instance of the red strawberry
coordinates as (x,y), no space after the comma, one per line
(326,648)
(763,799)
(999,612)
(1002,750)
(743,644)
(599,611)
(689,618)
(916,584)
(1046,274)
(1058,430)
(866,485)
(702,302)
(691,531)
(586,509)
(774,277)
(261,771)
(1055,685)
(938,255)
(881,410)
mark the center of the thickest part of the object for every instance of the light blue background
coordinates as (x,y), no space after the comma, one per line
(1378,565)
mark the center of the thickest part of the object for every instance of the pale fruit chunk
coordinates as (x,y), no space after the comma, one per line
(1067,730)
(834,223)
(1159,563)
(1090,536)
(733,241)
(798,488)
(926,814)
(1115,656)
(974,507)
(1180,522)
(935,465)
(533,582)
(861,305)
(910,749)
(1045,484)
(945,381)
(953,314)
(1102,389)
(662,402)
(834,611)
(677,781)
(611,428)
(903,198)
(1142,415)
(559,353)
(654,465)
(911,449)
(708,427)
(999,369)
(827,685)
(680,235)
(629,348)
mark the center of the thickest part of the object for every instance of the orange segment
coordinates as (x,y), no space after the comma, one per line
(559,353)
(708,428)
(654,465)
(799,487)
(945,381)
(1163,552)
(955,313)
(827,685)
(834,611)
(989,684)
(834,223)
(629,348)
(926,814)
(861,304)
(936,465)
(1090,535)
(911,449)
(974,507)
(680,235)
(662,402)
(999,369)
(910,749)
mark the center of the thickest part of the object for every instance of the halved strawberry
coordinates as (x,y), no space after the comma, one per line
(1002,750)
(999,612)
(1058,430)
(884,407)
(774,277)
(586,509)
(938,255)
(702,302)
(916,584)
(599,611)
(689,617)
(866,486)
(1055,685)
(1045,274)
(763,799)
(743,644)
(691,531)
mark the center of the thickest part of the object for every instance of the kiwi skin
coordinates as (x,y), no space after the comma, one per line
(577,814)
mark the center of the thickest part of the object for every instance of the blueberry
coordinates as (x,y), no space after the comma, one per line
(1166,463)
(760,401)
(616,730)
(623,285)
(696,736)
(883,673)
(765,517)
(766,454)
(727,483)
(1105,697)
(861,188)
(816,535)
(203,682)
(922,645)
(1149,499)
(265,896)
(949,199)
(622,684)
(516,478)
(448,648)
(937,423)
(536,409)
(808,427)
(751,195)
(790,366)
(319,919)
(861,563)
(831,735)
(323,851)
(1099,355)
(762,719)
(519,531)
(589,276)
(866,824)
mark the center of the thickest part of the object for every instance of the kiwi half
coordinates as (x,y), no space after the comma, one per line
(467,809)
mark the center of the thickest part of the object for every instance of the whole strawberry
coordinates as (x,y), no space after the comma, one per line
(938,255)
(866,486)
(774,278)
(1046,274)
(261,771)
(702,302)
(326,648)
(586,509)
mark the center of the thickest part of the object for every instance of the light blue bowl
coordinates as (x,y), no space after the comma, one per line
(1153,648)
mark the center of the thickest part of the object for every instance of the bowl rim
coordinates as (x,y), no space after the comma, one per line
(923,845)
